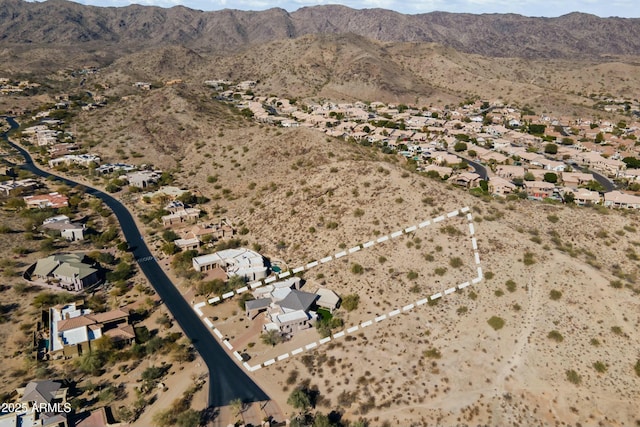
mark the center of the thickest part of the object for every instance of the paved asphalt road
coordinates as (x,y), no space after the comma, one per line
(227,381)
(479,169)
(603,180)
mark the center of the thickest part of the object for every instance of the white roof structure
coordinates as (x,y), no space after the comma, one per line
(280,294)
(71,336)
(328,298)
(58,218)
(298,315)
(281,288)
(236,262)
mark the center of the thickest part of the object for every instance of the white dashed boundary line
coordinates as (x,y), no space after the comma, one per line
(197,307)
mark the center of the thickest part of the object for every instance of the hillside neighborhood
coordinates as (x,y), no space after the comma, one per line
(485,148)
(539,156)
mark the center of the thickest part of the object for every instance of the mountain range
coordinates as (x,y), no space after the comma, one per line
(135,27)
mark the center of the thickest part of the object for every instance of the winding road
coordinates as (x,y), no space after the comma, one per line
(227,381)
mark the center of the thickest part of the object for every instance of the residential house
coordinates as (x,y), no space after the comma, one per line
(180,216)
(632,174)
(8,188)
(85,160)
(534,159)
(61,149)
(51,200)
(617,199)
(143,179)
(241,262)
(71,231)
(443,158)
(552,165)
(112,167)
(575,179)
(583,197)
(68,271)
(539,190)
(609,167)
(72,328)
(142,85)
(501,187)
(466,179)
(327,299)
(187,244)
(34,396)
(212,231)
(510,172)
(443,171)
(287,310)
(165,192)
(538,174)
(493,157)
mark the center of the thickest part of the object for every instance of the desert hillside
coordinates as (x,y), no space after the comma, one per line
(563,280)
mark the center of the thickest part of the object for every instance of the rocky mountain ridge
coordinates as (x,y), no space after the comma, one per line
(135,27)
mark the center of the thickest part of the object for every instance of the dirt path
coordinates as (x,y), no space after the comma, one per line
(522,340)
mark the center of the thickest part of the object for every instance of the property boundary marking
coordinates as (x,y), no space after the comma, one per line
(405,309)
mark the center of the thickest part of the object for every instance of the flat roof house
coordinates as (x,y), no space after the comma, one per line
(241,262)
(327,299)
(180,216)
(143,179)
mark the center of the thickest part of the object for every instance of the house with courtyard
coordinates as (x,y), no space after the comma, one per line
(240,262)
(143,179)
(73,329)
(51,200)
(287,309)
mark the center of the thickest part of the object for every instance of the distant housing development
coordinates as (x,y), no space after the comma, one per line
(513,144)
